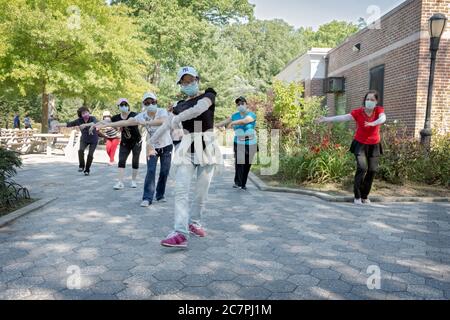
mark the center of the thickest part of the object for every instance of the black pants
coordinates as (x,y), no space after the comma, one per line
(124,152)
(243,159)
(367,160)
(83,145)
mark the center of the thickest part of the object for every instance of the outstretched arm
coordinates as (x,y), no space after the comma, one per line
(381,120)
(246,120)
(87,125)
(156,123)
(224,123)
(192,113)
(343,118)
(119,124)
(166,126)
(175,121)
(70,124)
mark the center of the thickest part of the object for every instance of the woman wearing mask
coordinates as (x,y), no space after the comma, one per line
(245,141)
(366,145)
(151,119)
(88,138)
(112,137)
(130,143)
(198,153)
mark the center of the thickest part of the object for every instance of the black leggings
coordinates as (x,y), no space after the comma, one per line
(83,145)
(125,151)
(243,159)
(365,173)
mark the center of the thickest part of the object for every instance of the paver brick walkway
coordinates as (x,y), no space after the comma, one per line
(260,245)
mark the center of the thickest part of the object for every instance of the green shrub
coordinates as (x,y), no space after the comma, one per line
(405,159)
(9,161)
(434,168)
(317,164)
(320,153)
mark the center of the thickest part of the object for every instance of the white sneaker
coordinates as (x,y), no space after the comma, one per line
(358,201)
(119,186)
(366,201)
(145,204)
(133,184)
(163,200)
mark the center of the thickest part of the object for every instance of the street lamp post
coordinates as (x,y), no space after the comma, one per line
(437,25)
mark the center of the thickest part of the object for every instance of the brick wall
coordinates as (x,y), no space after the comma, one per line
(403,21)
(317,87)
(314,88)
(400,81)
(406,65)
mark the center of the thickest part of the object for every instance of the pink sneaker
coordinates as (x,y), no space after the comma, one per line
(175,240)
(197,231)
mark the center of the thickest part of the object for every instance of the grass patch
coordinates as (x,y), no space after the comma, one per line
(20,204)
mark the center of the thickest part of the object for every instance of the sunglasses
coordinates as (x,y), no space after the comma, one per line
(124,105)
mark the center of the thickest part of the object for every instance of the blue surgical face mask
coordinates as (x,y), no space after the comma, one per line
(242,108)
(190,90)
(152,108)
(371,104)
(123,108)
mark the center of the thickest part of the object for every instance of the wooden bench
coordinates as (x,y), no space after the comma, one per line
(27,141)
(20,140)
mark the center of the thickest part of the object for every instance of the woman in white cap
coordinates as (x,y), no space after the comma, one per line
(151,119)
(197,154)
(112,137)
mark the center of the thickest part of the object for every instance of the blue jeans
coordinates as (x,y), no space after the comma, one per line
(165,156)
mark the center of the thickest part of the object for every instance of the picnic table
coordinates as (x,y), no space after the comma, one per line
(50,138)
(20,140)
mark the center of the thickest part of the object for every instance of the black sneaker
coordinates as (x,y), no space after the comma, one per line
(236,186)
(244,188)
(80,169)
(86,173)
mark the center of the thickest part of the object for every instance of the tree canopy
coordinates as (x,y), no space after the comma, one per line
(94,52)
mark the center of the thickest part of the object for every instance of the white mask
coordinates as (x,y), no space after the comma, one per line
(370,104)
(152,108)
(123,108)
(243,108)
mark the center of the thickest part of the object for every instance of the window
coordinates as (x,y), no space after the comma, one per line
(377,81)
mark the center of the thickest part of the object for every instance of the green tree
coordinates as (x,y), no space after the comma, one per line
(288,102)
(267,46)
(76,48)
(329,35)
(179,31)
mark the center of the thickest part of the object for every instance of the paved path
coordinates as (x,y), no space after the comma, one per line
(280,247)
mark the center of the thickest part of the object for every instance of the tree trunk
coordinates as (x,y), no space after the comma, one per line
(51,104)
(156,76)
(44,121)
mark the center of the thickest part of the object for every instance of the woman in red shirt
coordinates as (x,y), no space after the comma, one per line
(366,145)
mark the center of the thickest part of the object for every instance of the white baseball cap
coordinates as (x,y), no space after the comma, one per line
(149,95)
(186,70)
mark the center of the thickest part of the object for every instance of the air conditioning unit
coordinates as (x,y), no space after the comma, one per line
(335,85)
